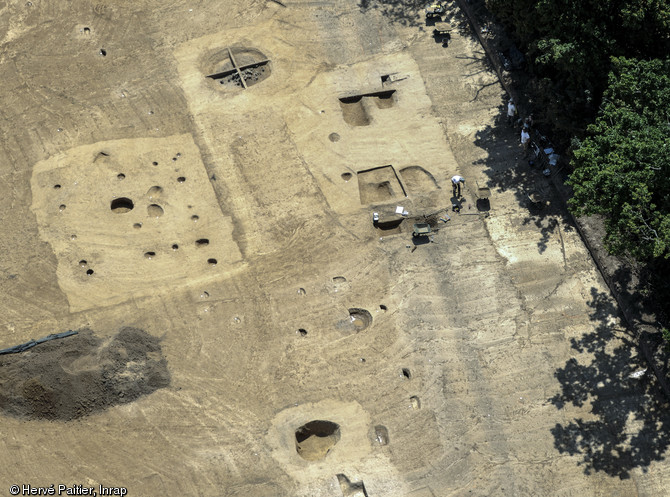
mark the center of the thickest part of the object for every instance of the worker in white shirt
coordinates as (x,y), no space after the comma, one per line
(511,111)
(456,185)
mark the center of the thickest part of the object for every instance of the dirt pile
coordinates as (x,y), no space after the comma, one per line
(75,376)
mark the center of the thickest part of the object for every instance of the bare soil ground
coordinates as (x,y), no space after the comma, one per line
(74,377)
(309,352)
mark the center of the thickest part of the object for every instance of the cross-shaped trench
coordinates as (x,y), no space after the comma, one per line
(237,69)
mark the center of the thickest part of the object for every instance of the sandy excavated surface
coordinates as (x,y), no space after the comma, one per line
(235,228)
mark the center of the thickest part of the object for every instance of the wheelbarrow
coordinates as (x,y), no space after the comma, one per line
(421,230)
(442,33)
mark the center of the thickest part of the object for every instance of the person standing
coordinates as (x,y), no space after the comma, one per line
(528,122)
(456,182)
(525,139)
(511,111)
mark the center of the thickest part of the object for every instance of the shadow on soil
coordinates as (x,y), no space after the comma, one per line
(67,379)
(509,168)
(481,65)
(630,426)
(405,12)
(412,13)
(629,423)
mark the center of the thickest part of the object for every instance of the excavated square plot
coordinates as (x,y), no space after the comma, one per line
(131,218)
(379,185)
(347,122)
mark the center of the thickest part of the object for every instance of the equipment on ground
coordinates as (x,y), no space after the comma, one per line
(442,33)
(435,9)
(30,344)
(421,229)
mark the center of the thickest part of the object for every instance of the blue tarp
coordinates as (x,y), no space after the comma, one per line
(29,345)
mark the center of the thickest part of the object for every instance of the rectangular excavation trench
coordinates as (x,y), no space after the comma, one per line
(379,185)
(355,107)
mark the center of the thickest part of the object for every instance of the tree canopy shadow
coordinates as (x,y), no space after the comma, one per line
(411,13)
(508,170)
(630,423)
(627,426)
(404,12)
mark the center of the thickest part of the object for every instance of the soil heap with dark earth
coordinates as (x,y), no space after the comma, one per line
(78,375)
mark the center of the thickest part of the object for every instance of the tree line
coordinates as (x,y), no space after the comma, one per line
(602,70)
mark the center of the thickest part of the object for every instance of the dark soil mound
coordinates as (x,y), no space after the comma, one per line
(75,376)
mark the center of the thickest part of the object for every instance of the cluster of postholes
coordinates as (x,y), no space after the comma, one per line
(315,439)
(123,205)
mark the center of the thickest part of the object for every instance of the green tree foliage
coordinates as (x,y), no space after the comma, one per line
(570,44)
(598,77)
(622,169)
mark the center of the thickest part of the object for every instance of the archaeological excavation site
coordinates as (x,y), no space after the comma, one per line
(233,264)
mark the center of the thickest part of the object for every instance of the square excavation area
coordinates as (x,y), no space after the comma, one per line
(347,117)
(379,185)
(131,218)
